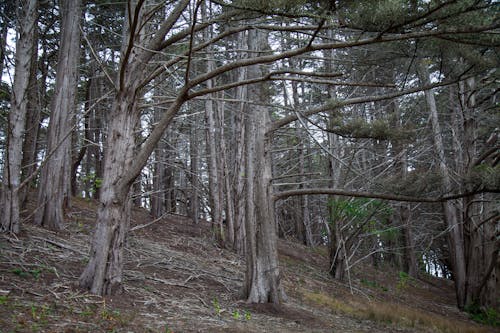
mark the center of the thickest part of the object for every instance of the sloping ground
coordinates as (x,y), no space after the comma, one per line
(178,280)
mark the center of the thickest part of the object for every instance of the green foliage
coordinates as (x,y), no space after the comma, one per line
(379,129)
(373,284)
(3,299)
(485,176)
(35,273)
(248,315)
(404,278)
(217,307)
(236,314)
(485,316)
(282,6)
(359,209)
(93,180)
(360,128)
(40,314)
(376,15)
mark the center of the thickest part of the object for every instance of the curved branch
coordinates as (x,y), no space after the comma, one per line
(391,197)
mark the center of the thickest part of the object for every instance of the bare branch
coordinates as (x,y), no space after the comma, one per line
(383,196)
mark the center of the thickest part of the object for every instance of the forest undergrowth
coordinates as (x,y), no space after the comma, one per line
(177,279)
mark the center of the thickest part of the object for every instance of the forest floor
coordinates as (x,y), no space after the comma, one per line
(177,279)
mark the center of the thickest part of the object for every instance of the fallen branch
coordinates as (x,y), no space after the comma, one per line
(61,245)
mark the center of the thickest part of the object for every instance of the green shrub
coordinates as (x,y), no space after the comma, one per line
(485,316)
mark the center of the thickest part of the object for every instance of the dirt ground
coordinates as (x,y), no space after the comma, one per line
(177,279)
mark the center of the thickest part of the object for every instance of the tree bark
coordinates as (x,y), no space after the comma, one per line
(213,140)
(239,158)
(55,186)
(27,18)
(103,273)
(28,164)
(262,282)
(455,236)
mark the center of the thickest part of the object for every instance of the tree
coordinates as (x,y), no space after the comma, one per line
(153,47)
(11,182)
(55,188)
(262,282)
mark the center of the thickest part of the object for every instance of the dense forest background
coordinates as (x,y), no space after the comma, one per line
(370,127)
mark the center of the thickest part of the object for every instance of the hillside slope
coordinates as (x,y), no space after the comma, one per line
(178,280)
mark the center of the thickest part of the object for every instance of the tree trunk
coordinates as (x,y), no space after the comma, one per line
(410,258)
(455,236)
(103,273)
(28,164)
(27,18)
(225,175)
(55,187)
(158,195)
(262,282)
(239,159)
(212,144)
(194,157)
(480,229)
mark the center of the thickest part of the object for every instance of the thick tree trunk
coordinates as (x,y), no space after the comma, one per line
(262,282)
(480,227)
(225,175)
(214,182)
(103,273)
(239,161)
(262,274)
(55,188)
(27,17)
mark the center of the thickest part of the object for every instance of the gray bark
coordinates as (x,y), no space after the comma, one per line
(262,282)
(456,239)
(103,273)
(55,187)
(27,17)
(239,159)
(28,164)
(194,157)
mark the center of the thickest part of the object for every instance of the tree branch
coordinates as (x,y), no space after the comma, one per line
(383,196)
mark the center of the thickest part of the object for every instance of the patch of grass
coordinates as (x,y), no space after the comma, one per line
(35,273)
(236,314)
(248,315)
(485,316)
(321,250)
(217,307)
(373,284)
(404,280)
(397,314)
(331,303)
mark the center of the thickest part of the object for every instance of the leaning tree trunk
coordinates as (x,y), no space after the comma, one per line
(262,280)
(55,188)
(27,17)
(455,236)
(103,273)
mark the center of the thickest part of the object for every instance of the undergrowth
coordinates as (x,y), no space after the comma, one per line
(390,313)
(485,316)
